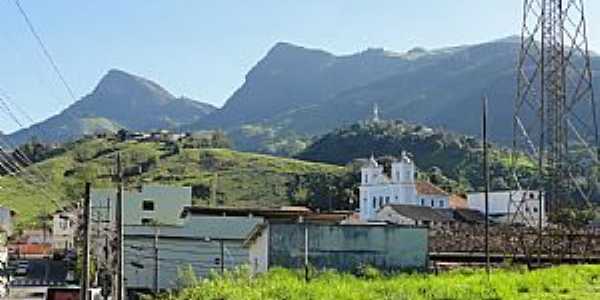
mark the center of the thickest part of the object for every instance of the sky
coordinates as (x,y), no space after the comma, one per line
(203,49)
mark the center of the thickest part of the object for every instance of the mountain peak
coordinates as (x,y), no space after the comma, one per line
(285,49)
(120,83)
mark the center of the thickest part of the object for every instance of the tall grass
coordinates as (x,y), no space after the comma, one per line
(565,282)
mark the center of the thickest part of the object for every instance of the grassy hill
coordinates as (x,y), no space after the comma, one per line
(240,179)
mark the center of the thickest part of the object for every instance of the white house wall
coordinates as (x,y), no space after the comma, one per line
(259,252)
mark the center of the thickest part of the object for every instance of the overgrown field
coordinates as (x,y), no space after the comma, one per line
(564,282)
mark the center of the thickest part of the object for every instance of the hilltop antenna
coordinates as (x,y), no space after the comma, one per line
(555,111)
(375,113)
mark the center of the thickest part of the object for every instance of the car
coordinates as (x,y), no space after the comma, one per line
(21,271)
(22,264)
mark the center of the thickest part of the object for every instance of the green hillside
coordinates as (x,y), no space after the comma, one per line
(450,160)
(240,179)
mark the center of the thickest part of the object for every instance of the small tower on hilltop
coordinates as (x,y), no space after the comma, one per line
(375,113)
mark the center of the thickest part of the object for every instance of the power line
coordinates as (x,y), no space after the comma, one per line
(44,49)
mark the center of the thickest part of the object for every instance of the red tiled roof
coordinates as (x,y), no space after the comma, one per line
(427,188)
(457,201)
(31,249)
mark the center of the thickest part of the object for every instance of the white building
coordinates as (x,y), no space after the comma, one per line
(521,207)
(377,189)
(64,228)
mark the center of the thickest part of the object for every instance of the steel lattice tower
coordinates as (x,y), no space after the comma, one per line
(554,110)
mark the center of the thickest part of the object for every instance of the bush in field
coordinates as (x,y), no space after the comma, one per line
(565,282)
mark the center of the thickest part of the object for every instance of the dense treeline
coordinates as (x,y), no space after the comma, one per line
(447,159)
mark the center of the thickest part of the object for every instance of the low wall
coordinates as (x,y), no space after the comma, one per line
(346,247)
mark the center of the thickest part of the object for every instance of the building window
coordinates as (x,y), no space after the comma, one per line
(366,178)
(387,200)
(148,205)
(432,203)
(380,201)
(374,202)
(422,202)
(535,209)
(441,203)
(147,221)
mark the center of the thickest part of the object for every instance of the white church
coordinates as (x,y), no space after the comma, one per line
(377,189)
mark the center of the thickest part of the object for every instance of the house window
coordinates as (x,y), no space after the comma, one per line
(535,209)
(422,202)
(147,221)
(441,203)
(380,201)
(387,200)
(432,203)
(148,205)
(374,202)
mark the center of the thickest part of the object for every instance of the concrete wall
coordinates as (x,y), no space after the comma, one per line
(346,247)
(196,243)
(6,220)
(259,252)
(177,254)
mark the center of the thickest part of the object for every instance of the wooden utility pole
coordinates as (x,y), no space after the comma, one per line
(156,260)
(222,257)
(305,251)
(486,175)
(85,270)
(119,224)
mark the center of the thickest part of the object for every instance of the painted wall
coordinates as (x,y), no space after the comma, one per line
(259,252)
(346,247)
(176,254)
(196,243)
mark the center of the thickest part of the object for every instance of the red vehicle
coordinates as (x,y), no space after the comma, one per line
(70,293)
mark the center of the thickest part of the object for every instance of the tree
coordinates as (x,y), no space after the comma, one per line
(220,140)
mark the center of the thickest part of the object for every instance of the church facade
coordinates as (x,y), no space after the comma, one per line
(378,189)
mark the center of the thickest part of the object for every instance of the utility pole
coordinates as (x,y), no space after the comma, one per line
(213,192)
(85,272)
(305,251)
(156,260)
(119,223)
(222,257)
(486,175)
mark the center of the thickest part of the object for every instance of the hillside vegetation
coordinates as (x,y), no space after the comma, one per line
(239,179)
(564,282)
(448,159)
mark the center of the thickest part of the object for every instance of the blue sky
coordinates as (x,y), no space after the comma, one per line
(203,49)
